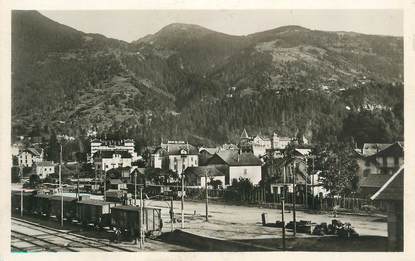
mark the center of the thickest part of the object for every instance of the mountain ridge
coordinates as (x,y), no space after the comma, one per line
(180,81)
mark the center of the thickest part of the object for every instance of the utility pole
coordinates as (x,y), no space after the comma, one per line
(182,200)
(171,214)
(282,217)
(21,202)
(105,184)
(77,184)
(312,182)
(135,189)
(60,183)
(207,196)
(294,199)
(142,219)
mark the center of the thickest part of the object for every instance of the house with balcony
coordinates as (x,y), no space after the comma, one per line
(175,156)
(377,163)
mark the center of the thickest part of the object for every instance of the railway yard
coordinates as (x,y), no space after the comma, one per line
(34,235)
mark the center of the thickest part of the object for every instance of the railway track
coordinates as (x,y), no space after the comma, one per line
(34,243)
(70,240)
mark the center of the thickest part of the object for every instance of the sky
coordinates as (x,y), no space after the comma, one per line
(130,25)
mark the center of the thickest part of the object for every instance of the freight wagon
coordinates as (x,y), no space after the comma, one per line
(95,212)
(27,201)
(129,220)
(69,207)
(42,205)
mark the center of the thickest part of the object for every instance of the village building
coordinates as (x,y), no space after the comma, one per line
(111,145)
(29,156)
(280,142)
(377,163)
(260,144)
(197,176)
(205,154)
(106,160)
(175,156)
(392,193)
(44,168)
(239,165)
(117,184)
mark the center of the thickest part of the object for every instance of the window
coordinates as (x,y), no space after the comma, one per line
(367,163)
(366,172)
(396,159)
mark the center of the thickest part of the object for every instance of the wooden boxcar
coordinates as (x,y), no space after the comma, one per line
(42,204)
(27,201)
(69,207)
(95,212)
(129,218)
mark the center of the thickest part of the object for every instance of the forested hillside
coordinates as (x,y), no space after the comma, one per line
(189,82)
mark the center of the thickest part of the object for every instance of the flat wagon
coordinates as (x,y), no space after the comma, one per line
(69,207)
(95,212)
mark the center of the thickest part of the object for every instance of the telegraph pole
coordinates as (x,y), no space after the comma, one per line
(171,214)
(105,184)
(294,199)
(77,184)
(135,189)
(182,199)
(60,183)
(142,219)
(207,197)
(282,217)
(21,202)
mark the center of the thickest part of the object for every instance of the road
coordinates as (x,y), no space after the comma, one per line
(242,222)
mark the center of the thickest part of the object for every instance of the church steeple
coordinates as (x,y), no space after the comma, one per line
(244,135)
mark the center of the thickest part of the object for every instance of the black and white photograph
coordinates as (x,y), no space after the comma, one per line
(207,130)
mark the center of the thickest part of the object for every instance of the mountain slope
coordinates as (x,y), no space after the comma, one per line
(189,82)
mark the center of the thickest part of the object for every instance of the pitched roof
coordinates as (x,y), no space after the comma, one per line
(373,148)
(374,180)
(395,149)
(392,189)
(45,164)
(234,158)
(209,150)
(33,151)
(176,148)
(116,181)
(109,154)
(210,170)
(244,134)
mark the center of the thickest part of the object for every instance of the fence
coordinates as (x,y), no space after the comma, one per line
(261,196)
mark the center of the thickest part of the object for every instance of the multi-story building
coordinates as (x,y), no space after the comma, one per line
(29,156)
(44,169)
(280,142)
(111,145)
(175,156)
(260,144)
(238,165)
(377,162)
(106,160)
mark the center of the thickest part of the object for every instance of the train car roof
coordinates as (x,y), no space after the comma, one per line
(64,198)
(127,208)
(94,202)
(43,196)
